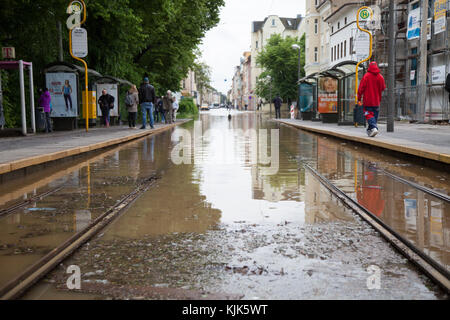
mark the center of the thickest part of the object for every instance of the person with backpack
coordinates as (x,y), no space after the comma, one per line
(168,106)
(131,103)
(106,103)
(147,99)
(370,89)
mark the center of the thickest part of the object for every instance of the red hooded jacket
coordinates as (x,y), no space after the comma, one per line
(371,87)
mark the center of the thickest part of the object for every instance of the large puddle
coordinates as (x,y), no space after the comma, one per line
(232,223)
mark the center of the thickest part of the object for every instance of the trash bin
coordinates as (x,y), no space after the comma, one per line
(358,116)
(40,118)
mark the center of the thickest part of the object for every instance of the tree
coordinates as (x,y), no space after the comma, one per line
(127,39)
(280,62)
(202,78)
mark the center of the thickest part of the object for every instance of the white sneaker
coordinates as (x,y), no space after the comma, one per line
(374,132)
(369,132)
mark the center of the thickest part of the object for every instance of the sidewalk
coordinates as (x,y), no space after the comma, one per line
(421,140)
(21,152)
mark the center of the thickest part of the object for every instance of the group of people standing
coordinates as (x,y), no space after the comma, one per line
(161,109)
(158,108)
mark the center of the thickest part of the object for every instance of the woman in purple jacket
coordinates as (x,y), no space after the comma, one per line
(44,102)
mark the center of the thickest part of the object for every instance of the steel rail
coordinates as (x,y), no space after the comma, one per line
(424,189)
(22,204)
(432,192)
(436,272)
(19,285)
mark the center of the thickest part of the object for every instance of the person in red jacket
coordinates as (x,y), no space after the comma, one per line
(370,89)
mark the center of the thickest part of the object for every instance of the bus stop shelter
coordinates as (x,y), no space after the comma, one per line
(308,97)
(21,66)
(112,86)
(346,73)
(63,81)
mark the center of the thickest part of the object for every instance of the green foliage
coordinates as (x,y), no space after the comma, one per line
(127,38)
(187,108)
(280,62)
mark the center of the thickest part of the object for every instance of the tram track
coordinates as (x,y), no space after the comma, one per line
(29,201)
(431,268)
(20,284)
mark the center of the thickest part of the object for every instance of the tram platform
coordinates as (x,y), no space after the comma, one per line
(429,142)
(22,152)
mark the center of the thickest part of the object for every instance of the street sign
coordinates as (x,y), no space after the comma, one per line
(362,45)
(79,42)
(9,53)
(364,14)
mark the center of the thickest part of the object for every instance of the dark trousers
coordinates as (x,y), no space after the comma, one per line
(48,123)
(105,115)
(277,113)
(68,100)
(132,119)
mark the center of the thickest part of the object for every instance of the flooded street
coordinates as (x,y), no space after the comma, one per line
(231,221)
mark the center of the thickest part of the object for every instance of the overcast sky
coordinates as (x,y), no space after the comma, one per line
(223,46)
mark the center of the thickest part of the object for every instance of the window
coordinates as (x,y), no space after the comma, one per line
(334,52)
(351,45)
(256,44)
(316,26)
(338,51)
(315,54)
(345,21)
(345,48)
(414,68)
(332,29)
(332,58)
(342,50)
(317,2)
(339,25)
(273,22)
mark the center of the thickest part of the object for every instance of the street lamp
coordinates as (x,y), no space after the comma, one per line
(297,47)
(269,78)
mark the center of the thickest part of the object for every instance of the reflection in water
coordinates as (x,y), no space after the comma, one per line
(419,217)
(226,184)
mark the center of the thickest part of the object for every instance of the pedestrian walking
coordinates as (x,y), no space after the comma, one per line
(106,103)
(147,99)
(259,104)
(168,106)
(370,89)
(131,103)
(45,101)
(277,103)
(175,106)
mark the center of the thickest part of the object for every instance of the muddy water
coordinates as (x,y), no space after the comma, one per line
(225,226)
(88,188)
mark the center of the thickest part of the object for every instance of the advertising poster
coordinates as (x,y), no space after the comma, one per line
(63,88)
(327,100)
(112,89)
(306,97)
(413,24)
(438,75)
(440,16)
